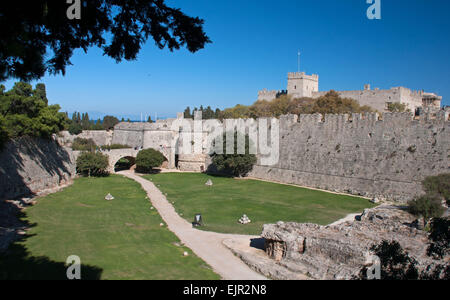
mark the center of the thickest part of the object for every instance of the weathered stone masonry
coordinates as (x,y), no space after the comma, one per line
(371,156)
(32,165)
(366,156)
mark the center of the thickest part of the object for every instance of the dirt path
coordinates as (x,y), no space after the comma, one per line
(207,245)
(348,218)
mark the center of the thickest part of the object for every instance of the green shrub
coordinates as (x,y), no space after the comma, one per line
(3,132)
(427,206)
(75,128)
(124,164)
(109,122)
(25,112)
(397,107)
(115,146)
(148,159)
(238,165)
(396,264)
(92,164)
(439,184)
(80,144)
(440,238)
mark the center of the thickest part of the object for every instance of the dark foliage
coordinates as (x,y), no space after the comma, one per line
(438,272)
(439,185)
(80,144)
(207,113)
(35,30)
(148,159)
(92,164)
(395,262)
(427,206)
(124,164)
(25,112)
(109,122)
(331,103)
(75,128)
(235,164)
(440,238)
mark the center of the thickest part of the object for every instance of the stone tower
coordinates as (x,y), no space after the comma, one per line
(302,85)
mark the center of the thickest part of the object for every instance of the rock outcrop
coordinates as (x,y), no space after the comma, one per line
(341,251)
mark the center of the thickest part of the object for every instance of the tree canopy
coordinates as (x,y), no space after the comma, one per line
(234,164)
(92,164)
(148,159)
(109,122)
(397,107)
(38,37)
(438,185)
(25,112)
(331,103)
(426,206)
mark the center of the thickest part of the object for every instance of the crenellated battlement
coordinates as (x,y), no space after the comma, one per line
(400,119)
(369,154)
(302,75)
(302,85)
(270,95)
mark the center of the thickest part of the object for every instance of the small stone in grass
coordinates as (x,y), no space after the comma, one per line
(161,224)
(185,253)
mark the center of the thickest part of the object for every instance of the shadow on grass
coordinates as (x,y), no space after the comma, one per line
(17,263)
(214,172)
(147,172)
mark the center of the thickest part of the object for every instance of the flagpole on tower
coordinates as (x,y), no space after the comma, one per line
(298,61)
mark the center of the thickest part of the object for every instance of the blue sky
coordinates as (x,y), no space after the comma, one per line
(255,44)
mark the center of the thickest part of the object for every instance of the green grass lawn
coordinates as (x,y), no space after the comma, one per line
(263,202)
(120,239)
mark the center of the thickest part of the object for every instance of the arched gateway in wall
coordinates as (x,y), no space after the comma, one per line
(115,155)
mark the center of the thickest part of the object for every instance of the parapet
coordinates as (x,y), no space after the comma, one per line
(302,75)
(129,126)
(267,92)
(403,118)
(396,119)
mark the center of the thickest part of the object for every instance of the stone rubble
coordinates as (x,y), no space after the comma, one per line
(244,220)
(341,251)
(109,197)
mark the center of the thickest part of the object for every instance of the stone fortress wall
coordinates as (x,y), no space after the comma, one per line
(378,99)
(365,155)
(270,95)
(375,156)
(302,85)
(368,156)
(33,165)
(148,135)
(100,137)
